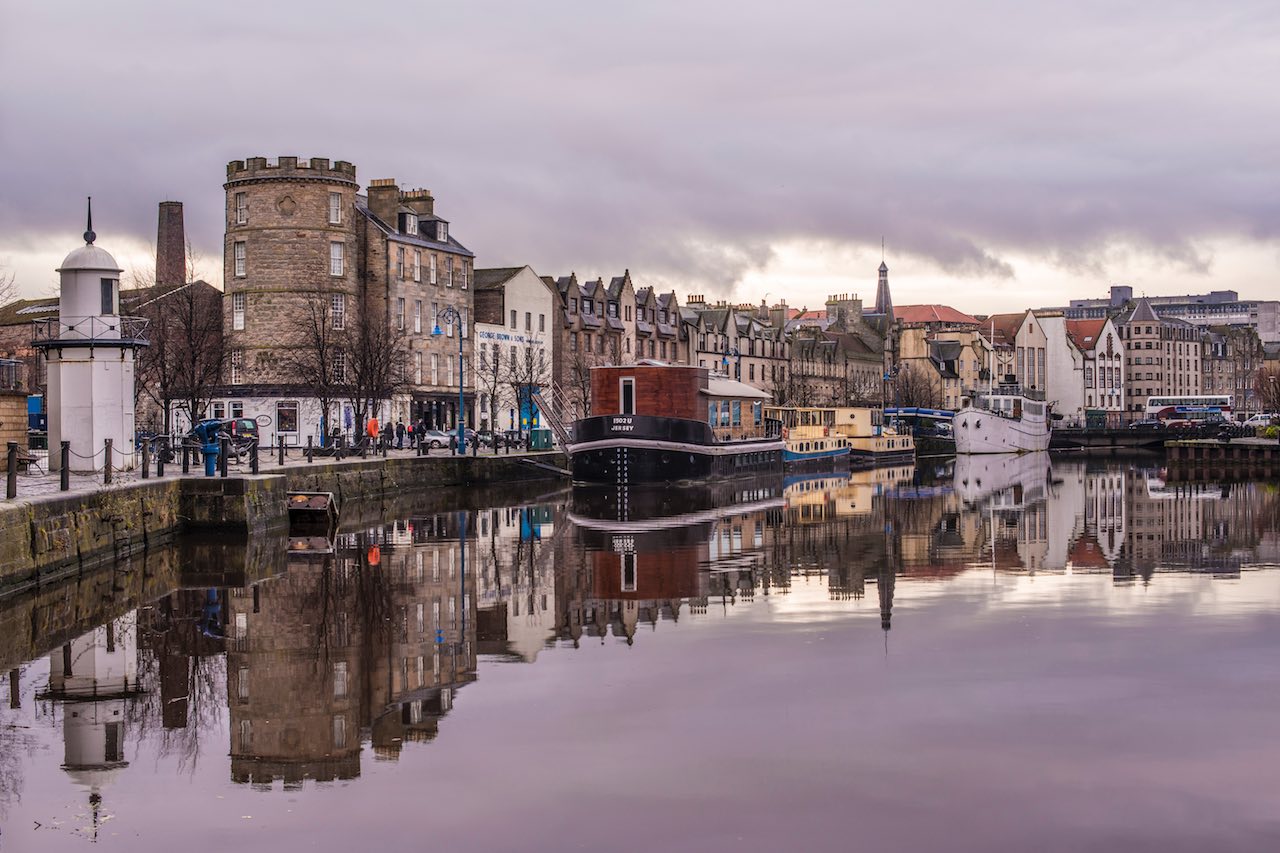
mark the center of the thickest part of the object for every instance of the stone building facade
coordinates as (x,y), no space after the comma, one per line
(1162,356)
(307,260)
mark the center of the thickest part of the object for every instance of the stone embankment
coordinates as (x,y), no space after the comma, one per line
(57,535)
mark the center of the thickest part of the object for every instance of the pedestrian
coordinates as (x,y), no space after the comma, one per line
(399,435)
(388,434)
(371,431)
(453,443)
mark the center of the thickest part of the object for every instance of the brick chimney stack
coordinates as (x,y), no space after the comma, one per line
(171,245)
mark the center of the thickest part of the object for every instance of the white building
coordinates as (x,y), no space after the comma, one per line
(514,339)
(1099,341)
(90,350)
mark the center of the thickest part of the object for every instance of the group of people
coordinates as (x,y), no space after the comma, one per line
(396,433)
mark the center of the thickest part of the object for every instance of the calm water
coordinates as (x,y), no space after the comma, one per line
(991,656)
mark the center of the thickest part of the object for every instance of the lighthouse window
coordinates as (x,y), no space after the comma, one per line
(238,254)
(242,208)
(335,258)
(237,311)
(335,208)
(109,305)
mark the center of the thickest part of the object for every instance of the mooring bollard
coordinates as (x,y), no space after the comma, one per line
(146,459)
(11,484)
(253,459)
(162,451)
(64,469)
(106,463)
(224,450)
(310,449)
(186,458)
(280,439)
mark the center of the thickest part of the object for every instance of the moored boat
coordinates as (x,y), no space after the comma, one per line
(872,441)
(809,436)
(656,422)
(1003,420)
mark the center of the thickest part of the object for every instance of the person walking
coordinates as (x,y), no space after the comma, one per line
(371,432)
(399,435)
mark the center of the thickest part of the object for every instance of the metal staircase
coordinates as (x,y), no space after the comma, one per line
(551,401)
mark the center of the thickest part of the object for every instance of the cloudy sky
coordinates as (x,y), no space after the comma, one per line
(1010,155)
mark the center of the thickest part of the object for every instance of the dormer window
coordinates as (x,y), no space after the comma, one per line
(442,231)
(411,225)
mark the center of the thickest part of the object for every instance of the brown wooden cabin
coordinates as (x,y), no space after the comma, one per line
(733,409)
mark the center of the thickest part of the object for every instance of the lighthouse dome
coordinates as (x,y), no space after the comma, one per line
(89,257)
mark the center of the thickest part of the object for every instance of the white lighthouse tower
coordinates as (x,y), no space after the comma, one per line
(90,351)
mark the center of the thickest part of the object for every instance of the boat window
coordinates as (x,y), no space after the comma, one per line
(628,396)
(711,412)
(737,413)
(756,412)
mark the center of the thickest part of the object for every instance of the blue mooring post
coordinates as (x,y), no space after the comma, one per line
(210,458)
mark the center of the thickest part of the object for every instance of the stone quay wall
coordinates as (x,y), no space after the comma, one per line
(57,536)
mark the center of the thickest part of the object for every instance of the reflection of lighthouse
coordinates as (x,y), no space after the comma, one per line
(92,677)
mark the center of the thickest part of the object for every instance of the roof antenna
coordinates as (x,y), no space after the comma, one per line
(89,236)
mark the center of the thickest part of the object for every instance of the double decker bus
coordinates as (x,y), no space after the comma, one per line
(1195,408)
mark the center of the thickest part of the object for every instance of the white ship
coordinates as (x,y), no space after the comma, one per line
(1002,420)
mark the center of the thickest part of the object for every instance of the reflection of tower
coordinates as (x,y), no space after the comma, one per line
(887,577)
(92,677)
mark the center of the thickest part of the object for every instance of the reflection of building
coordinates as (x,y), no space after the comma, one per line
(372,641)
(93,677)
(515,581)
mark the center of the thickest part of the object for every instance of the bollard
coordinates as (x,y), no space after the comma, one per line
(161,455)
(386,445)
(310,451)
(475,448)
(224,450)
(146,459)
(253,458)
(210,458)
(280,439)
(364,447)
(11,484)
(106,463)
(186,458)
(64,470)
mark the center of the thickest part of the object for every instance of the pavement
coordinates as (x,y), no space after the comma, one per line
(37,481)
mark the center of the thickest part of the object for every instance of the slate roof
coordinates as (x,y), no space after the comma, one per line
(1085,333)
(921,314)
(492,279)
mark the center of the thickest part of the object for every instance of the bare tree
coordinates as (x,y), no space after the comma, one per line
(1266,385)
(8,286)
(184,363)
(377,359)
(490,378)
(913,386)
(317,356)
(862,386)
(578,382)
(527,374)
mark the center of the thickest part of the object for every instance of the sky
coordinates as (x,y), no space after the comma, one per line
(1009,154)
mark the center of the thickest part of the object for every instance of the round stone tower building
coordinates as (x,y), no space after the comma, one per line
(289,265)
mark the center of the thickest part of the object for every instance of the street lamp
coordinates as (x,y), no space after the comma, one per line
(450,316)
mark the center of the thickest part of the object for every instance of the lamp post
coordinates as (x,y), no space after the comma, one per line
(737,356)
(450,317)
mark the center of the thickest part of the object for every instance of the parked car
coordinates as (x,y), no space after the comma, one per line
(1263,419)
(1148,423)
(436,438)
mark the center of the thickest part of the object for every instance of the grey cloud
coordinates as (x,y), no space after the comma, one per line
(682,140)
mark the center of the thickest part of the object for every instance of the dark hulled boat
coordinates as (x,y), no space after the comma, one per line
(653,422)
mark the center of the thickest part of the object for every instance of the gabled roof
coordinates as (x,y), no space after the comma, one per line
(1085,333)
(492,279)
(921,314)
(1143,312)
(1005,326)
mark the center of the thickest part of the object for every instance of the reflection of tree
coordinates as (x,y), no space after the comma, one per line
(16,746)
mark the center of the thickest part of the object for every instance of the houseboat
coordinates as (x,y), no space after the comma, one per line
(809,436)
(653,422)
(930,429)
(1003,420)
(871,441)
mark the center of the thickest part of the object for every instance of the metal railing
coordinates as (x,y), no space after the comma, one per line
(56,330)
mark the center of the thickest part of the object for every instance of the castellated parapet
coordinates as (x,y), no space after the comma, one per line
(290,248)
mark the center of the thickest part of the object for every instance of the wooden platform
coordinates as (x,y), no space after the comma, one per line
(1256,456)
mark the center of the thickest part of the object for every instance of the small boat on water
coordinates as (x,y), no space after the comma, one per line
(871,440)
(653,422)
(1003,420)
(809,436)
(930,429)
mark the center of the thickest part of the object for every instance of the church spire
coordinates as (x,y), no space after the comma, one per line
(884,302)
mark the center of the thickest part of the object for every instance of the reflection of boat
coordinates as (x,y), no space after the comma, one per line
(652,507)
(1008,482)
(817,497)
(1002,421)
(809,436)
(656,422)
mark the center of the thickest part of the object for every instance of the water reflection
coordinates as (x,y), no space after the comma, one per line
(303,663)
